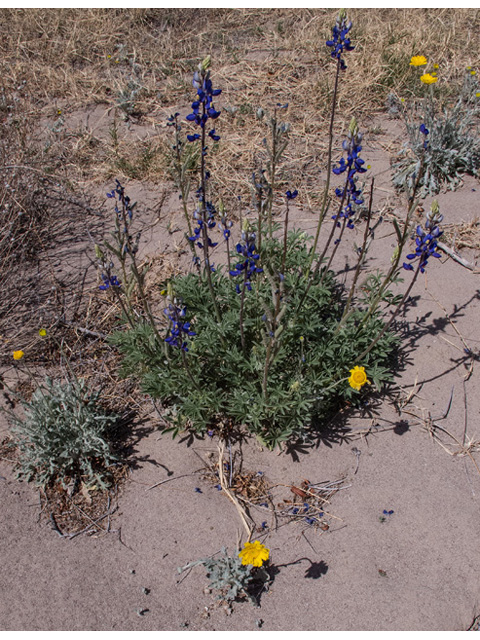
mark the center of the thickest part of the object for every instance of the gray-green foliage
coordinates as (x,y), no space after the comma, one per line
(63,434)
(308,368)
(453,144)
(230,576)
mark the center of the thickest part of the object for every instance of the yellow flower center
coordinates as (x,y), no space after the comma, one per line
(359,377)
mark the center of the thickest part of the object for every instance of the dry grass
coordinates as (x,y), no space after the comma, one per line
(70,58)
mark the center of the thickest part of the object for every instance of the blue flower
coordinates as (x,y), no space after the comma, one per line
(351,194)
(339,42)
(426,246)
(179,329)
(247,249)
(425,131)
(109,281)
(202,108)
(290,195)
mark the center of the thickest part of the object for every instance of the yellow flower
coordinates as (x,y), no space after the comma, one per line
(427,78)
(358,378)
(435,66)
(473,72)
(42,332)
(254,553)
(477,95)
(418,61)
(18,355)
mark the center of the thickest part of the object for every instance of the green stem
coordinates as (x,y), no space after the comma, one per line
(203,214)
(242,305)
(359,263)
(394,314)
(326,200)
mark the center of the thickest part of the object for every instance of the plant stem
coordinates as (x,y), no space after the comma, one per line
(242,305)
(188,371)
(394,314)
(285,235)
(359,263)
(326,201)
(203,214)
(401,243)
(273,168)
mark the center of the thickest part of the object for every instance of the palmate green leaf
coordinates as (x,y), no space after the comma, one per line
(308,357)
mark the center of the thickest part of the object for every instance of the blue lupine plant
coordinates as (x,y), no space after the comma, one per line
(274,339)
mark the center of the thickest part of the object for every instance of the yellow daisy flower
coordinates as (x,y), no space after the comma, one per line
(358,378)
(42,332)
(254,553)
(418,61)
(18,355)
(427,78)
(473,72)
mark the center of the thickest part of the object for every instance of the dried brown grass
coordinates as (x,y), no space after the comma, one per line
(69,58)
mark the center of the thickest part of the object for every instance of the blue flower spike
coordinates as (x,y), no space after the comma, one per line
(179,329)
(202,107)
(426,240)
(351,194)
(246,248)
(340,41)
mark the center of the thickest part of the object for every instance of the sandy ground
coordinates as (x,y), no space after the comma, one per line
(416,570)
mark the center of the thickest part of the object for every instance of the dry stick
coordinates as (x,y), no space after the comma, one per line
(462,449)
(230,494)
(456,257)
(465,413)
(157,484)
(71,536)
